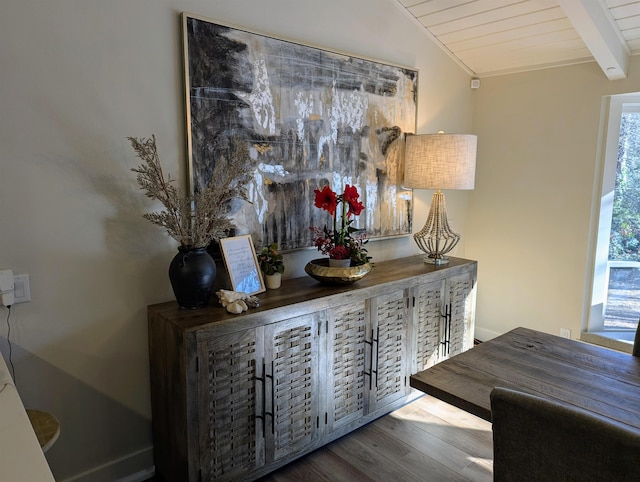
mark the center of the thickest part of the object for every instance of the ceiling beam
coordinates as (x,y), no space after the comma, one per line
(593,22)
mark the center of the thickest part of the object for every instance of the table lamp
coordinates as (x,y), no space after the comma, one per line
(439,161)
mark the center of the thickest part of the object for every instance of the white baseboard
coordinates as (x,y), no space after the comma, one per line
(485,335)
(135,467)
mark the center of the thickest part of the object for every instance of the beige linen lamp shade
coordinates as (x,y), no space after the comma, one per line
(439,161)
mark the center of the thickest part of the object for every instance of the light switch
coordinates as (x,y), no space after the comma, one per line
(22,290)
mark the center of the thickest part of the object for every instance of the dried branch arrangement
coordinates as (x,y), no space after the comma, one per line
(193,220)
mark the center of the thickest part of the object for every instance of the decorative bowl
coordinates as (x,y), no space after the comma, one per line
(320,270)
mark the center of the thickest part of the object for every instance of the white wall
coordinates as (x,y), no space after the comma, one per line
(530,214)
(77,78)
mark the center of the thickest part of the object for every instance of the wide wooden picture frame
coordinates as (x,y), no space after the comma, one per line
(311,118)
(242,264)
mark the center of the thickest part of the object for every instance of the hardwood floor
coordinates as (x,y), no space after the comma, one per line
(427,440)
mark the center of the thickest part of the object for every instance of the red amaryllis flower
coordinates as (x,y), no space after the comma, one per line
(351,196)
(355,208)
(326,199)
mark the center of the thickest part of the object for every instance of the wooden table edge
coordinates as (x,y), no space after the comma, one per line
(458,402)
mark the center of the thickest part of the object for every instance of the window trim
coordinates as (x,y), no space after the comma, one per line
(617,105)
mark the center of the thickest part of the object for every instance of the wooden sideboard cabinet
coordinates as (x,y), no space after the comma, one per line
(236,396)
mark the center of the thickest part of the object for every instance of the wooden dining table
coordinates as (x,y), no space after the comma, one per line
(590,377)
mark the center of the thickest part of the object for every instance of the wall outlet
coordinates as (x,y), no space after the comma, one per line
(565,333)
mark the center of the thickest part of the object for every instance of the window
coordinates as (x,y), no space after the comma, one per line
(615,303)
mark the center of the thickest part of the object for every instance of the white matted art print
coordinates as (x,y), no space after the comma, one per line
(242,264)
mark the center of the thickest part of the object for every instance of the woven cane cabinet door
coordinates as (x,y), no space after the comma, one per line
(231,406)
(460,298)
(346,372)
(387,349)
(292,394)
(428,316)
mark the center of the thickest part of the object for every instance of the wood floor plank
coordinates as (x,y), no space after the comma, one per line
(361,454)
(425,440)
(477,442)
(412,456)
(427,443)
(320,465)
(449,413)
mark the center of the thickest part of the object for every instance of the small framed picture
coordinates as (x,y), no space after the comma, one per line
(242,264)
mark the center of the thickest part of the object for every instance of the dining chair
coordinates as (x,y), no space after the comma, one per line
(636,342)
(535,439)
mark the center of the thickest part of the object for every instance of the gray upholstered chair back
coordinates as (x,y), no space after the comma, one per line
(539,440)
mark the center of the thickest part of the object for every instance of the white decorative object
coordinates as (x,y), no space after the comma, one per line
(236,302)
(237,307)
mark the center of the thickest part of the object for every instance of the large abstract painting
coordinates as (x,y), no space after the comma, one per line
(311,118)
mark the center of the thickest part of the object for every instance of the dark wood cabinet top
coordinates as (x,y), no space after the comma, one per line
(302,295)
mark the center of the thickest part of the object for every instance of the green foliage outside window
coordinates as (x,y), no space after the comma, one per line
(625,226)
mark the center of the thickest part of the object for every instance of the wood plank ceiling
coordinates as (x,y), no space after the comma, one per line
(494,37)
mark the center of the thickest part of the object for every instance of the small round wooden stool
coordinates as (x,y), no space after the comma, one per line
(46,427)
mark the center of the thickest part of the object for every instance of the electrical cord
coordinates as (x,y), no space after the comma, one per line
(13,369)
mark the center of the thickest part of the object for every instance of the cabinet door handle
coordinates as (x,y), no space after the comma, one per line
(377,340)
(450,322)
(446,339)
(273,400)
(370,368)
(264,397)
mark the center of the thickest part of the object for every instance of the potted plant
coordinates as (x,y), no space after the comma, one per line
(344,249)
(272,266)
(193,220)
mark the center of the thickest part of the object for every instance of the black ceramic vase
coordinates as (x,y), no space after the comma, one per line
(192,273)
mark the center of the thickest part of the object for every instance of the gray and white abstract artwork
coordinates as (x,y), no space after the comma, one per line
(311,118)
